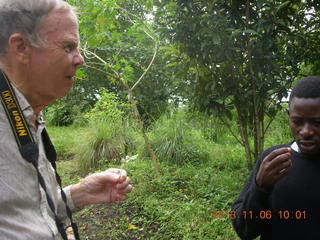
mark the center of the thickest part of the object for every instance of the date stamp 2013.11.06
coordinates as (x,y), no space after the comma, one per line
(260,215)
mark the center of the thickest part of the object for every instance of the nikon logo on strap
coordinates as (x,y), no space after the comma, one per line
(14,113)
(6,95)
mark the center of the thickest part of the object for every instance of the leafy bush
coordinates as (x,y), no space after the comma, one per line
(109,106)
(175,141)
(58,114)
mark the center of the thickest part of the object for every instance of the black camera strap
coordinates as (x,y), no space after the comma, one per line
(29,149)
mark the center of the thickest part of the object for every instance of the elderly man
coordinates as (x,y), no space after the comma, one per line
(281,198)
(39,56)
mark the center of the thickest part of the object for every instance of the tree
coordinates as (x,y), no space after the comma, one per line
(120,44)
(243,54)
(115,31)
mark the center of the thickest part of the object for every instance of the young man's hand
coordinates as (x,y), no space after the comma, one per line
(274,167)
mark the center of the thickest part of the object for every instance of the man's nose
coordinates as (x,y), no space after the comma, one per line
(78,60)
(306,130)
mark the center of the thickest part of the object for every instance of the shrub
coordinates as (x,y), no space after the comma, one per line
(58,114)
(109,106)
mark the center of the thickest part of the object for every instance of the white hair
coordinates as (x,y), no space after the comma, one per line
(25,17)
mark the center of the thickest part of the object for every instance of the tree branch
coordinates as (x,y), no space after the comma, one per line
(150,64)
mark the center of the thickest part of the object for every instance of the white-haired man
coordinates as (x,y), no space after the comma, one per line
(39,56)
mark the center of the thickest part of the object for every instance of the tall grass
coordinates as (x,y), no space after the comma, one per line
(212,127)
(106,140)
(181,201)
(176,141)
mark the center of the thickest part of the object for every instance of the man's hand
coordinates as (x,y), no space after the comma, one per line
(109,186)
(274,167)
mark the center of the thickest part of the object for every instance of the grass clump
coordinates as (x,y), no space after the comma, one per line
(175,141)
(106,140)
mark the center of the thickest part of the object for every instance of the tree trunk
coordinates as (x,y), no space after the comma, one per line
(257,106)
(243,127)
(141,125)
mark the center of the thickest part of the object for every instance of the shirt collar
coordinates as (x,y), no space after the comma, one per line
(26,107)
(294,146)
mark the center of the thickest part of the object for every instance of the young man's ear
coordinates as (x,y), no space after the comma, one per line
(19,48)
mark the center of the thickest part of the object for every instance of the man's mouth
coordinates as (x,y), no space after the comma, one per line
(69,78)
(307,145)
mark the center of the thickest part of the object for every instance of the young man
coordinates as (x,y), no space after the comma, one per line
(39,56)
(281,198)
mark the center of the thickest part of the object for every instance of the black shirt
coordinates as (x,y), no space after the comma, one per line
(291,210)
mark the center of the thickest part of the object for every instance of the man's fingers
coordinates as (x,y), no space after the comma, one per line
(278,161)
(108,176)
(123,186)
(283,168)
(128,189)
(276,153)
(118,171)
(276,165)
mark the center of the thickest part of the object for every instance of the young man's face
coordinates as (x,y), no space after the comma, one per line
(304,121)
(52,67)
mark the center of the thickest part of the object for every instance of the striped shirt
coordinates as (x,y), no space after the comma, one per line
(24,211)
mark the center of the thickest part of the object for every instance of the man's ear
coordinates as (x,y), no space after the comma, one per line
(19,47)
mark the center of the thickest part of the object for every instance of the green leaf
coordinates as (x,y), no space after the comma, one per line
(149,4)
(283,5)
(252,32)
(216,39)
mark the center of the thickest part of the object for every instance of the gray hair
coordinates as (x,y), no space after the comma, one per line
(25,17)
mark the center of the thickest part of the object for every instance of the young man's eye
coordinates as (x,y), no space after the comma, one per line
(316,123)
(296,121)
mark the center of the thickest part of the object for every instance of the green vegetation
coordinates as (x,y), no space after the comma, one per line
(107,140)
(176,141)
(179,202)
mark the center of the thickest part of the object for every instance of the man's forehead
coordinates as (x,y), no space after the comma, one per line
(304,105)
(58,18)
(306,100)
(60,23)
